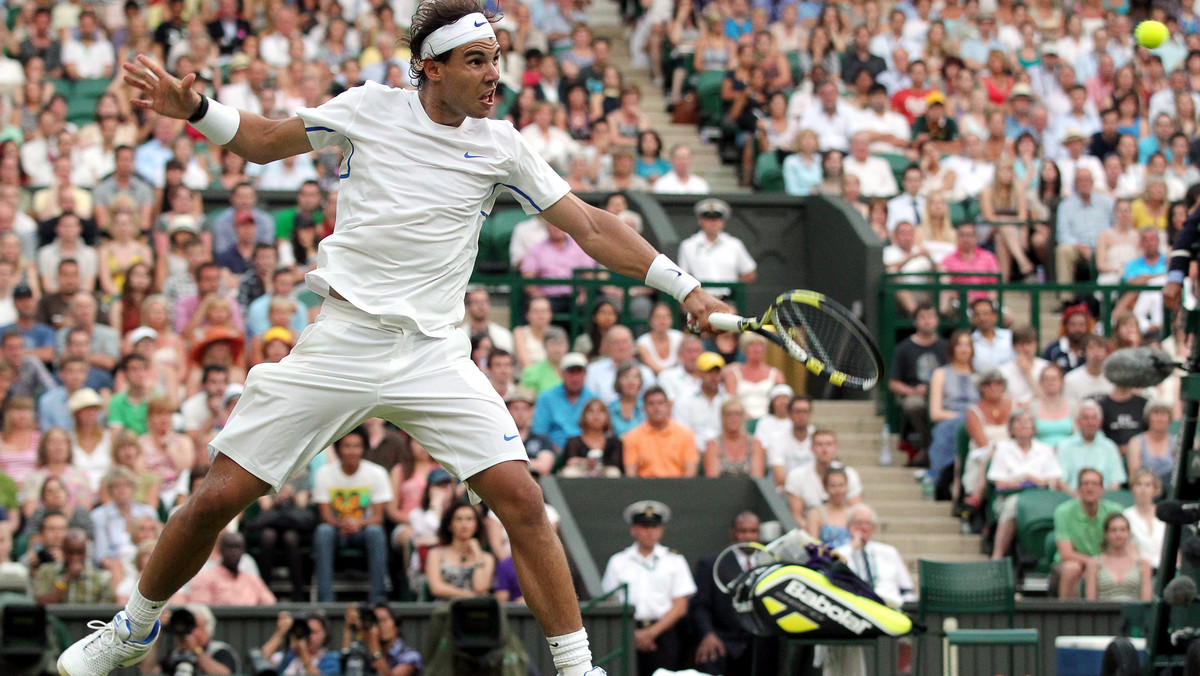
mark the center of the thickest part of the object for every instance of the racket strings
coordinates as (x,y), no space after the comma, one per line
(826,337)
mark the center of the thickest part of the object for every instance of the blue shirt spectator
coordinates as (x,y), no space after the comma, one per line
(1140,267)
(1081,222)
(800,175)
(620,423)
(555,415)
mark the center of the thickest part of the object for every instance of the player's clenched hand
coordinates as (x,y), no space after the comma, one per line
(700,304)
(160,91)
(1172,295)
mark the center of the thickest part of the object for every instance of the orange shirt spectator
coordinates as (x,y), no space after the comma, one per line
(660,447)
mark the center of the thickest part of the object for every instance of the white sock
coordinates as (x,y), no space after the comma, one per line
(142,613)
(572,657)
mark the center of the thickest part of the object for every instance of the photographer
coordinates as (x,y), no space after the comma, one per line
(74,579)
(191,630)
(305,640)
(371,635)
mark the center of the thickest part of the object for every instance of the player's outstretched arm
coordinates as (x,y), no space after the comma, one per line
(618,247)
(257,139)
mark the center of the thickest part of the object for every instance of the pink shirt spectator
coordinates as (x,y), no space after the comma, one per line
(981,260)
(186,306)
(556,262)
(19,463)
(216,586)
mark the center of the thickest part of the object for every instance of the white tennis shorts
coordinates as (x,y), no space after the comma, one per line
(347,367)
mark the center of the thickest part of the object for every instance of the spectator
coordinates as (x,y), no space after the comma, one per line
(525,235)
(626,410)
(150,158)
(556,414)
(618,348)
(169,454)
(54,461)
(1081,218)
(127,409)
(543,454)
(39,337)
(556,258)
(968,257)
(1018,464)
(1068,350)
(350,495)
(32,379)
(258,312)
(1153,449)
(543,375)
(238,257)
(53,306)
(18,439)
(208,285)
(805,484)
(67,244)
(114,519)
(53,499)
(1079,527)
(40,44)
(777,418)
(700,409)
(45,545)
(1087,449)
(951,393)
(874,173)
(725,644)
(712,255)
(830,117)
(879,565)
(390,655)
(660,447)
(791,446)
(225,584)
(935,127)
(909,205)
(684,377)
(244,198)
(680,179)
(124,181)
(829,522)
(211,656)
(302,652)
(103,342)
(528,339)
(458,567)
(499,371)
(1124,416)
(660,584)
(1118,573)
(478,320)
(74,579)
(659,348)
(802,170)
(596,451)
(750,379)
(913,363)
(1024,371)
(733,452)
(1089,381)
(91,441)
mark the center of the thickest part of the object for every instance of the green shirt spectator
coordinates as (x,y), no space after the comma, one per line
(124,413)
(308,201)
(1085,533)
(540,376)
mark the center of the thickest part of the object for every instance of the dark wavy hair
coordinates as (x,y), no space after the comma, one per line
(445,534)
(430,16)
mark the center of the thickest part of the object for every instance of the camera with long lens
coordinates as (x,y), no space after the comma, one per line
(356,660)
(181,662)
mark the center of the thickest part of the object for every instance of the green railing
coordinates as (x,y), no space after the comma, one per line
(589,281)
(892,321)
(620,654)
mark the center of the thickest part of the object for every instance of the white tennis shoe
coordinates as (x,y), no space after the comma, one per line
(105,649)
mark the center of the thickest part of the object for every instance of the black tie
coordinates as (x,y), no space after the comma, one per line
(867,574)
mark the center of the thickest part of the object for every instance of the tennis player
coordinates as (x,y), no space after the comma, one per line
(420,172)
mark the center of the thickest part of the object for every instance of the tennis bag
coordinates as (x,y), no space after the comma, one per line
(823,602)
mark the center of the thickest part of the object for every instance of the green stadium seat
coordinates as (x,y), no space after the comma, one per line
(90,88)
(1035,520)
(768,173)
(1120,496)
(494,238)
(898,164)
(62,86)
(708,91)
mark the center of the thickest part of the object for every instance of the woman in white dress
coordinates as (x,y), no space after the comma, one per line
(1144,525)
(659,349)
(751,380)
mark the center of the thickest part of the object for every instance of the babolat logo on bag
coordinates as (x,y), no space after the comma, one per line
(789,599)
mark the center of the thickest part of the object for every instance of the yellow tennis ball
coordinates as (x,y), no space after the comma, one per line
(1151,34)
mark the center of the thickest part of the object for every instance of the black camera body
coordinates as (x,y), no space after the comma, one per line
(182,623)
(300,630)
(182,663)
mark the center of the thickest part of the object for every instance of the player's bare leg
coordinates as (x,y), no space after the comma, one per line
(538,557)
(185,544)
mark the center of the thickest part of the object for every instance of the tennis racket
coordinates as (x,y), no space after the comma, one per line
(818,332)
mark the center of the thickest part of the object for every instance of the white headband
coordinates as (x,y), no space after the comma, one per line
(472,27)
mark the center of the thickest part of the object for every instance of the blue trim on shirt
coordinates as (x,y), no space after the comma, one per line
(481,211)
(331,131)
(522,194)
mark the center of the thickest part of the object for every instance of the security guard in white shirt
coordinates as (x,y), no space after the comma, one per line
(660,583)
(713,255)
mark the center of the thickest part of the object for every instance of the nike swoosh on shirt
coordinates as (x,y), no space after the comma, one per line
(508,438)
(479,23)
(469,156)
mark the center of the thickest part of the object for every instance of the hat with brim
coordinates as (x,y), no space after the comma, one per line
(279,333)
(183,223)
(712,208)
(573,360)
(83,398)
(520,394)
(780,390)
(708,361)
(232,391)
(142,333)
(215,334)
(647,513)
(1074,134)
(439,475)
(1019,91)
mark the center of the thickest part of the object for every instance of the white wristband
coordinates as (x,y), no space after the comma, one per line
(220,123)
(665,275)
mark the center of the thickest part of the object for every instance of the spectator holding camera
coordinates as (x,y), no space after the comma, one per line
(74,579)
(305,652)
(375,628)
(191,629)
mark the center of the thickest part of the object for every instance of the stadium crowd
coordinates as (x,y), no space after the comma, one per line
(981,137)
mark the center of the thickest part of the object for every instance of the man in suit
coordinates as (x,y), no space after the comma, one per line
(724,644)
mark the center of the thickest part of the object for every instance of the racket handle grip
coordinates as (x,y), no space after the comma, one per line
(725,321)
